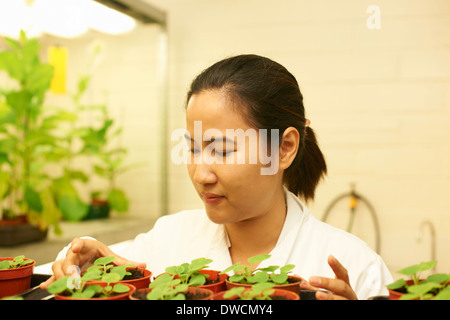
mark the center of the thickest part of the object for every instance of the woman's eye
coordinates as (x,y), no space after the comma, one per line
(224,152)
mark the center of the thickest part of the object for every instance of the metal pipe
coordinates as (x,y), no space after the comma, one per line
(433,237)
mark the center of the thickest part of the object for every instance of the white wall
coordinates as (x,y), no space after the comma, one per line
(379,100)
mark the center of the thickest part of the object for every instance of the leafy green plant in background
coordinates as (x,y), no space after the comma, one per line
(28,143)
(246,274)
(189,273)
(434,287)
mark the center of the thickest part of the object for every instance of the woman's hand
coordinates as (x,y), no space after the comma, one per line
(340,286)
(82,253)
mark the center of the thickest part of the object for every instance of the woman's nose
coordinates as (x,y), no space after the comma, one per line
(203,174)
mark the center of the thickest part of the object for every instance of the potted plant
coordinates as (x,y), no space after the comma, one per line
(15,275)
(259,291)
(28,144)
(245,276)
(128,274)
(68,288)
(166,287)
(434,287)
(196,274)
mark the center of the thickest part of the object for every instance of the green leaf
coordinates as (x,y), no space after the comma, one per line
(118,200)
(236,278)
(58,286)
(258,258)
(258,277)
(111,277)
(72,208)
(400,283)
(287,268)
(91,275)
(4,264)
(423,266)
(33,199)
(279,278)
(443,294)
(197,280)
(104,260)
(120,288)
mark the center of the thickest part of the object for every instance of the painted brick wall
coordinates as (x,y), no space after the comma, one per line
(378,99)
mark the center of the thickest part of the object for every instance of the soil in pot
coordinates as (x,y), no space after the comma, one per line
(15,281)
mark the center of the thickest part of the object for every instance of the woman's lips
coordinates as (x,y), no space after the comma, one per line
(212,198)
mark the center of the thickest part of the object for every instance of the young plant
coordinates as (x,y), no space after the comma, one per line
(17,262)
(102,268)
(260,291)
(245,274)
(189,273)
(435,286)
(77,288)
(165,287)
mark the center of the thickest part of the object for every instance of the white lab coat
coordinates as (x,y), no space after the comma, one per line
(304,241)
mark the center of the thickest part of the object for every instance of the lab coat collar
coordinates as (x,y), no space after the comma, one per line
(295,216)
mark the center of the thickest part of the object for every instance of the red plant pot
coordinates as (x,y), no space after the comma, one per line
(122,296)
(214,275)
(208,294)
(282,294)
(293,285)
(15,281)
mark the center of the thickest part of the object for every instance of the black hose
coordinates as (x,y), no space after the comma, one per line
(369,206)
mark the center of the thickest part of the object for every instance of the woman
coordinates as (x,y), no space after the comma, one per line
(250,211)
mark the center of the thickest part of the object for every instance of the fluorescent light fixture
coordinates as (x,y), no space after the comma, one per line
(107,20)
(61,18)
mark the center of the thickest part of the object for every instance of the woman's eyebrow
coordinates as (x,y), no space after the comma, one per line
(187,136)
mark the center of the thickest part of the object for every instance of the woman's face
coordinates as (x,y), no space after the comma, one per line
(225,169)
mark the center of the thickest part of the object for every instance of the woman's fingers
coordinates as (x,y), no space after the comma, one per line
(340,286)
(81,254)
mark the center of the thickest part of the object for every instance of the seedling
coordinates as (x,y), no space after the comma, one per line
(245,274)
(102,267)
(77,288)
(189,273)
(259,291)
(165,287)
(435,286)
(17,262)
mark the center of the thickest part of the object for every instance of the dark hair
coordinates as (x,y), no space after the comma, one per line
(271,99)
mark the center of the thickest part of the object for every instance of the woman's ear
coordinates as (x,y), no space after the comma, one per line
(288,147)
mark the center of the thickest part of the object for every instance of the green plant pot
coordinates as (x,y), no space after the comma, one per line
(98,209)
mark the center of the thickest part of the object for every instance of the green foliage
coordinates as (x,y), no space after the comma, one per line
(165,287)
(434,287)
(27,144)
(245,274)
(78,287)
(17,262)
(103,270)
(189,273)
(259,291)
